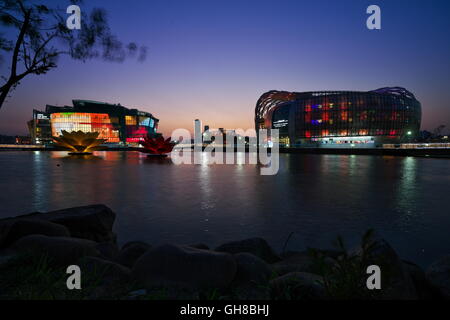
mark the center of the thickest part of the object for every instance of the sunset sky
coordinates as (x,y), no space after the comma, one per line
(212,59)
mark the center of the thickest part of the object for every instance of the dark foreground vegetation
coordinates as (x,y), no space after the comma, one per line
(36,249)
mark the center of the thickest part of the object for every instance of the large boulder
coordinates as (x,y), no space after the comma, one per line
(60,250)
(396,282)
(108,278)
(298,286)
(107,271)
(94,222)
(108,250)
(294,262)
(184,267)
(24,227)
(256,246)
(252,278)
(330,253)
(199,246)
(251,270)
(131,252)
(438,274)
(132,243)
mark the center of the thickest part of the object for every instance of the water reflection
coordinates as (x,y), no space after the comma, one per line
(317,196)
(156,160)
(40,182)
(64,154)
(406,195)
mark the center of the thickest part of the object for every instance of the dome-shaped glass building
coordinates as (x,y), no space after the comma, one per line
(340,118)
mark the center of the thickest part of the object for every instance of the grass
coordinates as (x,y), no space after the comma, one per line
(346,277)
(34,277)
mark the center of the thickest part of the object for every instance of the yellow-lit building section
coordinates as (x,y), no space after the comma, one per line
(130,120)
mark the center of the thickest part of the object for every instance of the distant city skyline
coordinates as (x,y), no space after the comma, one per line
(212,60)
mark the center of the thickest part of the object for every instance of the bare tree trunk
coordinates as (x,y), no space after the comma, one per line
(4,94)
(13,76)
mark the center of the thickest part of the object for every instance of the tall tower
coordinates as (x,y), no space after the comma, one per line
(197,132)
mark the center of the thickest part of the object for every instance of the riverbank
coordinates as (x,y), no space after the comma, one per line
(24,147)
(425,152)
(442,153)
(37,248)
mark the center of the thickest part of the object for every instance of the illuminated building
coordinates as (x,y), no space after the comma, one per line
(39,128)
(340,118)
(197,132)
(113,122)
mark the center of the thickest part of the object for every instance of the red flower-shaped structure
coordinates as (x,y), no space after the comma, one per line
(157,146)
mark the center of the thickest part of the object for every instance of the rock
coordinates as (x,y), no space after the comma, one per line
(288,254)
(298,286)
(93,222)
(108,250)
(60,250)
(131,243)
(109,272)
(199,246)
(304,262)
(334,254)
(185,267)
(438,274)
(252,277)
(256,246)
(423,288)
(251,269)
(396,281)
(131,252)
(294,262)
(108,279)
(24,227)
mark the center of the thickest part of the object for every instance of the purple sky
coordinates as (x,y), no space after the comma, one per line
(213,59)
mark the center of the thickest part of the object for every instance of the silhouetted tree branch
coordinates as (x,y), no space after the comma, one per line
(42,36)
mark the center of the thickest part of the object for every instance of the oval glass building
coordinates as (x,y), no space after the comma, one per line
(340,118)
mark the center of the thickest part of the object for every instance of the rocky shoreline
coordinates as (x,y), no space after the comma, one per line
(36,249)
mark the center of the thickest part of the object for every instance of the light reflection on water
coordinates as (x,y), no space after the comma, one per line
(316,196)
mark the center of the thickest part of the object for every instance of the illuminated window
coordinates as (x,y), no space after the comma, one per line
(363,132)
(130,120)
(144,121)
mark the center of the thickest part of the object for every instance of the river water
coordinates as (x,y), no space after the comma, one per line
(406,200)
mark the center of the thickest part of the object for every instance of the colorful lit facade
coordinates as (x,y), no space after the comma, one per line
(340,118)
(114,123)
